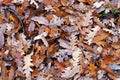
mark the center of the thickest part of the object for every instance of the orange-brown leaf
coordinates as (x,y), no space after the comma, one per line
(89,48)
(101,35)
(116,45)
(37,59)
(25,47)
(102,43)
(60,12)
(92,69)
(11,73)
(59,65)
(35,72)
(25,4)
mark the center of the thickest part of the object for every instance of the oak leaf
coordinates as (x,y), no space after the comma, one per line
(92,69)
(104,65)
(101,35)
(27,67)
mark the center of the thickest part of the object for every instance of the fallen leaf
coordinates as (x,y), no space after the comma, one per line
(38,59)
(21,9)
(60,12)
(11,73)
(59,65)
(92,69)
(102,43)
(104,65)
(64,2)
(35,72)
(116,45)
(89,48)
(101,35)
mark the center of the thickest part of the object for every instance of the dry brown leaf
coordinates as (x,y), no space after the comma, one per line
(56,4)
(19,73)
(11,73)
(116,54)
(51,32)
(116,45)
(12,17)
(39,48)
(27,32)
(35,72)
(102,43)
(67,63)
(59,65)
(51,49)
(37,59)
(101,35)
(49,18)
(67,20)
(21,9)
(4,72)
(60,12)
(98,22)
(104,65)
(5,1)
(89,48)
(92,69)
(25,47)
(1,19)
(16,23)
(113,77)
(64,2)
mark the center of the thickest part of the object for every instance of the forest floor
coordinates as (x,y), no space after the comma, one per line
(59,39)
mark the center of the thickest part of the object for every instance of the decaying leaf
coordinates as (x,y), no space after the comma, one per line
(92,34)
(70,72)
(38,59)
(93,68)
(59,65)
(59,39)
(11,73)
(104,65)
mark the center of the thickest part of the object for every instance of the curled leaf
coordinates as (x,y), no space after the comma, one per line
(40,20)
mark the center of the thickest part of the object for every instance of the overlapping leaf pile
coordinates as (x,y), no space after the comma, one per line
(59,39)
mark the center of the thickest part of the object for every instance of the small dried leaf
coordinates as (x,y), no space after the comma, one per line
(92,68)
(101,35)
(59,65)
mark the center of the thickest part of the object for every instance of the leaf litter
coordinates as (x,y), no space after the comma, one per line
(59,40)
